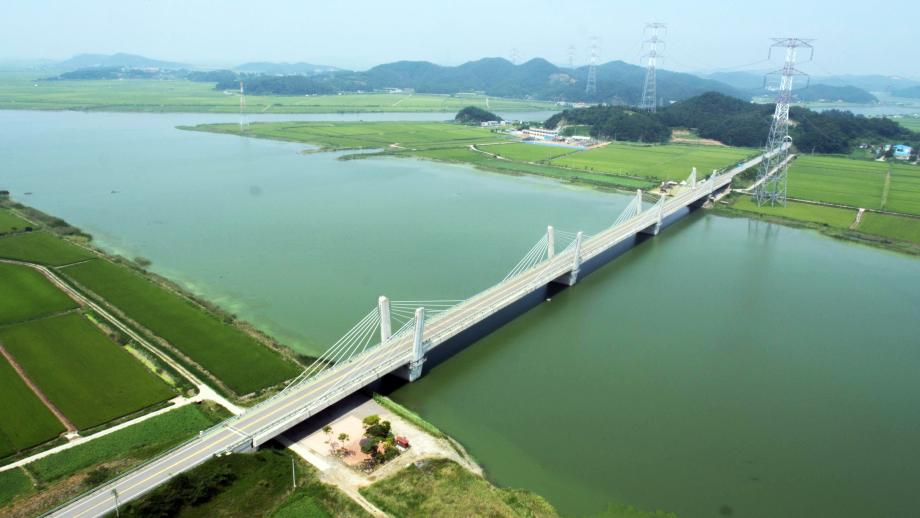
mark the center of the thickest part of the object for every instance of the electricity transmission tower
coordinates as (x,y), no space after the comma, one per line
(591,84)
(243,123)
(771,188)
(514,56)
(571,57)
(653,33)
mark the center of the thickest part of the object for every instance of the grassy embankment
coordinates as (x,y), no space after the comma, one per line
(620,166)
(52,480)
(20,91)
(257,485)
(441,487)
(837,187)
(10,222)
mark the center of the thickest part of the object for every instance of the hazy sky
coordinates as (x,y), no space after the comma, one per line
(854,37)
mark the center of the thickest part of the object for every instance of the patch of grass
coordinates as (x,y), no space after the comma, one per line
(19,91)
(522,152)
(26,421)
(10,222)
(85,374)
(244,485)
(13,483)
(911,123)
(26,294)
(837,179)
(139,442)
(241,362)
(408,415)
(894,227)
(822,215)
(655,162)
(42,248)
(441,487)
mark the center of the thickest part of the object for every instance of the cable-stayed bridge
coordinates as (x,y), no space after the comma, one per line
(375,347)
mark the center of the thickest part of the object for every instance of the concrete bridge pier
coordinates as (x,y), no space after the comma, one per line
(656,228)
(413,370)
(569,279)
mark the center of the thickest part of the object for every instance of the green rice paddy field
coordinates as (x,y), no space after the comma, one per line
(655,162)
(911,123)
(26,294)
(529,152)
(90,378)
(242,363)
(894,227)
(20,91)
(26,421)
(42,248)
(351,135)
(10,222)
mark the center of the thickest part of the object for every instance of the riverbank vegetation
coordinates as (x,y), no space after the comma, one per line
(441,487)
(39,486)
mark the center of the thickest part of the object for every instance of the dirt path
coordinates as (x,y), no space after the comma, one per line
(37,391)
(886,189)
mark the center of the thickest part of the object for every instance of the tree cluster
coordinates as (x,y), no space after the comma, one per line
(738,123)
(615,123)
(183,490)
(475,116)
(379,441)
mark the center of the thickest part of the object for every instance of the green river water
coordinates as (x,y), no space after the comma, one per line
(725,368)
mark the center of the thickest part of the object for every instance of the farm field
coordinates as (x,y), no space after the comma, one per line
(911,123)
(90,378)
(118,451)
(655,162)
(832,179)
(26,421)
(10,222)
(894,227)
(42,248)
(466,156)
(529,152)
(353,135)
(20,91)
(904,192)
(26,293)
(237,359)
(831,216)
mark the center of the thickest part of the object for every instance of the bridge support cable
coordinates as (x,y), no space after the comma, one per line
(534,256)
(632,210)
(691,180)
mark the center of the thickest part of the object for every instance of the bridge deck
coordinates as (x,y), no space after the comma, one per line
(266,420)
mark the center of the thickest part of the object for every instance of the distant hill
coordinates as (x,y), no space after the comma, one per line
(912,92)
(818,90)
(868,83)
(617,82)
(115,60)
(849,94)
(285,69)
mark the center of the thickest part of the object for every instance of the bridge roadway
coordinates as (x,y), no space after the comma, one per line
(264,421)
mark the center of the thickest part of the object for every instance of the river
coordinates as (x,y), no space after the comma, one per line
(725,368)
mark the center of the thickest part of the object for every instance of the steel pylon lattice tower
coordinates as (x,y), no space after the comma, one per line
(771,188)
(243,123)
(591,83)
(654,43)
